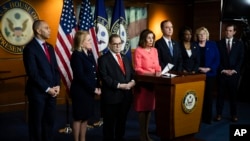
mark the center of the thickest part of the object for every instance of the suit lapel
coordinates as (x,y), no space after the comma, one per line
(174,48)
(115,62)
(89,58)
(40,49)
(50,53)
(233,46)
(164,43)
(124,63)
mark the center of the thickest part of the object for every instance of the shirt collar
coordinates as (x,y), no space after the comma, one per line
(40,41)
(166,40)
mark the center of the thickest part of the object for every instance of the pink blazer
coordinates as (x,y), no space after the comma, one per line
(146,61)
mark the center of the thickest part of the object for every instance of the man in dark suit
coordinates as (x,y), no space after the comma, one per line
(43,84)
(117,83)
(168,49)
(231,58)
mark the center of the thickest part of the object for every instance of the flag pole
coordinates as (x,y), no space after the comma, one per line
(66,32)
(67,129)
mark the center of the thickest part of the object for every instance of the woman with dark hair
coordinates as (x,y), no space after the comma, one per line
(190,52)
(145,63)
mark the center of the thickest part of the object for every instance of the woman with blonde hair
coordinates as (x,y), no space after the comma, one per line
(209,63)
(85,83)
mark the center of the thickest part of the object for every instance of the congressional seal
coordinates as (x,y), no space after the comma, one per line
(16,22)
(189,102)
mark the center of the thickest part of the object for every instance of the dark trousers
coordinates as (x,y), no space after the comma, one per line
(208,99)
(114,120)
(227,85)
(42,110)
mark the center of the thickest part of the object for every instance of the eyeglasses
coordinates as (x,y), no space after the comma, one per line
(116,44)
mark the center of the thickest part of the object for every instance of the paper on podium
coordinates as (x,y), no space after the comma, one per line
(169,74)
(168,67)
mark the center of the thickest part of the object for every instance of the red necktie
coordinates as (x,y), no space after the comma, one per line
(120,62)
(46,51)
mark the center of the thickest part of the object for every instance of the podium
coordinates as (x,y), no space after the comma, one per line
(179,103)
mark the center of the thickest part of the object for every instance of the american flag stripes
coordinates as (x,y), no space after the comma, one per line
(66,32)
(86,23)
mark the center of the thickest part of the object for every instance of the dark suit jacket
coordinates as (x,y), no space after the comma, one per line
(85,78)
(165,56)
(191,63)
(41,73)
(234,59)
(111,75)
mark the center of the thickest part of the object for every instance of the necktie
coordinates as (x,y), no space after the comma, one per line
(228,46)
(170,47)
(46,51)
(120,62)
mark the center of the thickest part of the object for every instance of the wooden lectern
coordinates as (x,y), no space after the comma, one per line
(179,103)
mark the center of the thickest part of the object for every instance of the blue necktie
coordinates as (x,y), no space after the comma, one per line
(170,47)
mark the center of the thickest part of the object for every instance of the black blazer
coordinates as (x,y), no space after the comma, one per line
(111,75)
(191,63)
(234,59)
(41,74)
(165,56)
(85,77)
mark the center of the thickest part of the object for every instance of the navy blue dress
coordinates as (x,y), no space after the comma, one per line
(85,80)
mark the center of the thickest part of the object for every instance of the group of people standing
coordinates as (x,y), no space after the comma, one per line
(220,61)
(112,77)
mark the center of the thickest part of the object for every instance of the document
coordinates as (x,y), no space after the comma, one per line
(168,67)
(169,74)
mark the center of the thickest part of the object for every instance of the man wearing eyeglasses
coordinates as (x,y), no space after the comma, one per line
(117,82)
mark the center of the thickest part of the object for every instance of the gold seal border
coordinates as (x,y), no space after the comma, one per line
(8,47)
(188,111)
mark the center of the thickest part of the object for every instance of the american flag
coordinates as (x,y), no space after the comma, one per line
(86,22)
(66,32)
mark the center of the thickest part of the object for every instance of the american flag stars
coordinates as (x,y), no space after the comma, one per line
(68,18)
(85,18)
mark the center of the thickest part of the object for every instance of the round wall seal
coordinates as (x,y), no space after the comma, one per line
(16,22)
(189,102)
(102,33)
